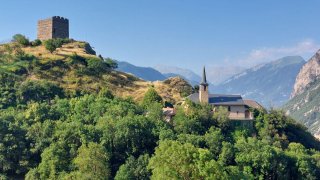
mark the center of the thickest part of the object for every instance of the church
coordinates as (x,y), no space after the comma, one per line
(237,106)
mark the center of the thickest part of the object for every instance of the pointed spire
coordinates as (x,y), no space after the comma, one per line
(204,77)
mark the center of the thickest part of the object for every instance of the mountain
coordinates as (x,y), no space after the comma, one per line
(304,105)
(185,73)
(270,84)
(145,73)
(218,74)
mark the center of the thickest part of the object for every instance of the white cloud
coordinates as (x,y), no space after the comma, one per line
(261,55)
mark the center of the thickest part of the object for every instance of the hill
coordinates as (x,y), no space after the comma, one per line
(76,69)
(58,120)
(270,84)
(304,105)
(145,73)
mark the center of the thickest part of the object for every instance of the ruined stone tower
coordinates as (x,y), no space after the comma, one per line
(54,27)
(203,88)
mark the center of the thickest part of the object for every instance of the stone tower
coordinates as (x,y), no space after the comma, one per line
(203,88)
(54,27)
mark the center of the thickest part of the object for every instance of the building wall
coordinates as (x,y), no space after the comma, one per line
(55,27)
(237,112)
(45,29)
(60,27)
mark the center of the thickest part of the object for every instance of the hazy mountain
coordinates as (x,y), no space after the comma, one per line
(305,103)
(218,74)
(185,73)
(270,84)
(146,73)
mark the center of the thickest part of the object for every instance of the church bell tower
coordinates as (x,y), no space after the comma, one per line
(203,88)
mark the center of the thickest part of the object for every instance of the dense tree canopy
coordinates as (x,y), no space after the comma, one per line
(47,132)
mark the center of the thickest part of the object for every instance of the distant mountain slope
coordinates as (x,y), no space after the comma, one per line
(186,73)
(145,73)
(218,74)
(305,103)
(270,84)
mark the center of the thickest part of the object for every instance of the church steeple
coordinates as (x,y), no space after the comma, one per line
(204,77)
(203,88)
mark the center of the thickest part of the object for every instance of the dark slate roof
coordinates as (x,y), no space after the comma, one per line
(219,99)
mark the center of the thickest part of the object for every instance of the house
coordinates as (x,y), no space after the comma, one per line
(239,108)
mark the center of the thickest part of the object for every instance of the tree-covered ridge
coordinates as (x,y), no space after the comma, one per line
(50,131)
(104,137)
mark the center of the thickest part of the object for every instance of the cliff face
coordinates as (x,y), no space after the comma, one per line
(304,105)
(308,74)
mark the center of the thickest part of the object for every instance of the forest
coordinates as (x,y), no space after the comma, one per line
(50,132)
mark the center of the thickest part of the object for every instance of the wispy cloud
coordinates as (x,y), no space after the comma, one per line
(265,54)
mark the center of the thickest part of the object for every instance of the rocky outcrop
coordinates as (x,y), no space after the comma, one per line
(308,74)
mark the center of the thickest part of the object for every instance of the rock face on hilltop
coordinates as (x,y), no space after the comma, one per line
(308,74)
(270,84)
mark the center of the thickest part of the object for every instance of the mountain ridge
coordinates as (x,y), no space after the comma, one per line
(270,83)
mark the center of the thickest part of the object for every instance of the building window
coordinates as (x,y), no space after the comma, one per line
(229,108)
(54,30)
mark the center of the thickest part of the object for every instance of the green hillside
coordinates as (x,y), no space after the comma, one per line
(76,69)
(69,115)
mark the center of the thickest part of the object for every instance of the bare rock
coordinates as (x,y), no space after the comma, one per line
(309,73)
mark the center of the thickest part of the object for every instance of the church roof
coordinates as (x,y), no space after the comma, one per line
(252,103)
(219,99)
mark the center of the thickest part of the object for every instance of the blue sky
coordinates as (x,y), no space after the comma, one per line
(184,33)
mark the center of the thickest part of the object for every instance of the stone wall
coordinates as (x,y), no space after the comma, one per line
(55,27)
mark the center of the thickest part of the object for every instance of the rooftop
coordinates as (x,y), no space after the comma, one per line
(219,99)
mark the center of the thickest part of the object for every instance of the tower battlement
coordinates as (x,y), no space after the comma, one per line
(54,27)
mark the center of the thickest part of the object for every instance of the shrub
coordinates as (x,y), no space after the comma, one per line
(111,63)
(52,44)
(21,39)
(49,45)
(36,42)
(39,91)
(150,97)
